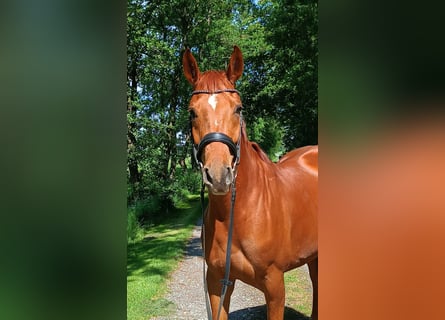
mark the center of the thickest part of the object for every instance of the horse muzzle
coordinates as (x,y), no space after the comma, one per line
(218,179)
(216,175)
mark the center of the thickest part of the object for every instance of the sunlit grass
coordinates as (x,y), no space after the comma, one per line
(299,290)
(152,259)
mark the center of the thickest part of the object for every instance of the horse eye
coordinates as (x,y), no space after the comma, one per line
(192,114)
(238,109)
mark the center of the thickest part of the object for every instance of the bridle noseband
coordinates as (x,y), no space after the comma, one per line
(216,137)
(234,148)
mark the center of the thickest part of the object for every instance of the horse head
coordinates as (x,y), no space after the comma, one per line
(215,115)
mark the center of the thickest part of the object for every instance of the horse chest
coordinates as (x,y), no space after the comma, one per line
(245,256)
(241,267)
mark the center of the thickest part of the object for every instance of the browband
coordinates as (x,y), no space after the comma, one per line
(215,92)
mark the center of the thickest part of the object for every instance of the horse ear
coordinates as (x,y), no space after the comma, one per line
(191,70)
(236,65)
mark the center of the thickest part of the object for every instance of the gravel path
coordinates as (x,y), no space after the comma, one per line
(185,291)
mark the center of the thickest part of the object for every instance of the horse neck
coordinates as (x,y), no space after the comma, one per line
(248,172)
(250,167)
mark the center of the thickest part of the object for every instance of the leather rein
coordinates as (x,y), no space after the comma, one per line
(197,153)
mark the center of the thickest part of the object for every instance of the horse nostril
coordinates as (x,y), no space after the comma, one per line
(229,176)
(208,176)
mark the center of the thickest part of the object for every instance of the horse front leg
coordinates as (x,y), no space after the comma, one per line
(274,293)
(214,288)
(313,272)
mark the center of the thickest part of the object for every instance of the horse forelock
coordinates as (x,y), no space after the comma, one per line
(213,80)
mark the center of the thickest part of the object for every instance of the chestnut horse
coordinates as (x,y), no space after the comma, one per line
(275,212)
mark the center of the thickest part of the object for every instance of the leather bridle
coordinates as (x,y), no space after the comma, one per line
(197,154)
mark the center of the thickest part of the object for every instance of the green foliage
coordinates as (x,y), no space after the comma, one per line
(269,135)
(134,228)
(143,213)
(285,84)
(185,184)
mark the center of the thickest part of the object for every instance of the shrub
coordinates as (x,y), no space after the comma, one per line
(141,214)
(134,228)
(187,182)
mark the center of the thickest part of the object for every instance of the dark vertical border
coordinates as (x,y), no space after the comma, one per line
(63,189)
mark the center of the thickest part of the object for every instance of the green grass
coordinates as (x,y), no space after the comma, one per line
(152,259)
(298,290)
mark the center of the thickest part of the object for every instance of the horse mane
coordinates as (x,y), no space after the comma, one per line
(263,156)
(213,80)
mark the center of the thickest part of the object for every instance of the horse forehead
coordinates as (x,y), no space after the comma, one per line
(213,100)
(218,103)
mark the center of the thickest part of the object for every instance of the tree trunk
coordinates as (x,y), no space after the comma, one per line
(174,104)
(132,163)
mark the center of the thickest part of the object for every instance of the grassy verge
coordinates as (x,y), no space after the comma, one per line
(150,260)
(299,290)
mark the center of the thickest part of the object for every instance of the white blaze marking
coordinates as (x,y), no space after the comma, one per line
(212,101)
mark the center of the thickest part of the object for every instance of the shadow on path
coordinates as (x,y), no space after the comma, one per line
(194,245)
(194,248)
(257,313)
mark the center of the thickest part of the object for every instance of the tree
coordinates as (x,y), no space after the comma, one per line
(287,86)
